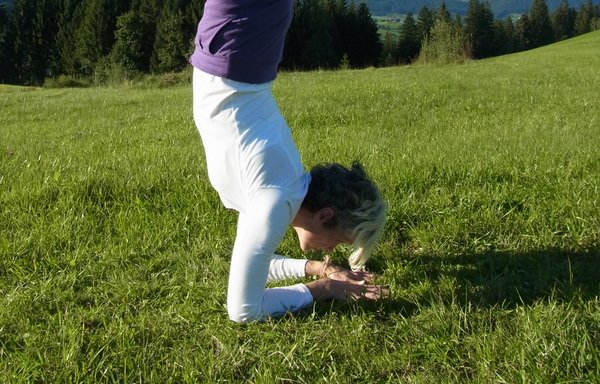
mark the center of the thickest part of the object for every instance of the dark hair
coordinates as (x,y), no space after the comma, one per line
(356,203)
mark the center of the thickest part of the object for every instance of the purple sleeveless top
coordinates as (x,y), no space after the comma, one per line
(242,40)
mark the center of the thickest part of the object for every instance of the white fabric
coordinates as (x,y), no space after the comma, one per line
(282,268)
(255,167)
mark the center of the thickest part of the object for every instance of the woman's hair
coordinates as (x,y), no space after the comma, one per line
(356,202)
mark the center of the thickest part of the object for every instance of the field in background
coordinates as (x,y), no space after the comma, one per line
(114,249)
(391,24)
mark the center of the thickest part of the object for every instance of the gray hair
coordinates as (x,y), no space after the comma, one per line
(356,202)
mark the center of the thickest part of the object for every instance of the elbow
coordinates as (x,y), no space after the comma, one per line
(244,314)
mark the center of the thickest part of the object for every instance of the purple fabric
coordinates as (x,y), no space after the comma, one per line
(242,40)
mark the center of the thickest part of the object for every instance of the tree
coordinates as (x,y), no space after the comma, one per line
(584,18)
(192,14)
(504,36)
(170,46)
(523,33)
(31,36)
(445,44)
(563,21)
(338,21)
(5,67)
(91,38)
(424,23)
(409,43)
(366,44)
(129,36)
(389,49)
(443,13)
(308,42)
(69,17)
(540,24)
(479,29)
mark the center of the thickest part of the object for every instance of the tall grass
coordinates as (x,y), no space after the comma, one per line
(114,249)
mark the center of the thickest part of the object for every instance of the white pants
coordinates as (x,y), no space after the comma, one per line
(255,167)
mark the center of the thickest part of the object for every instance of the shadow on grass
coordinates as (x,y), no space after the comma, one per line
(486,280)
(512,279)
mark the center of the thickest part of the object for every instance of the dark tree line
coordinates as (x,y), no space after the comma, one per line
(330,33)
(85,39)
(48,38)
(485,36)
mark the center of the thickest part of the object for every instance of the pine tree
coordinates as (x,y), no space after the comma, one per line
(541,26)
(127,50)
(47,26)
(389,54)
(32,36)
(504,36)
(170,46)
(409,43)
(338,28)
(479,29)
(367,46)
(424,23)
(69,16)
(584,18)
(91,41)
(22,39)
(192,14)
(308,42)
(523,33)
(95,33)
(5,64)
(563,21)
(443,14)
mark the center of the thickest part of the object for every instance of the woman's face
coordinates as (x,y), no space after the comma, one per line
(314,235)
(324,239)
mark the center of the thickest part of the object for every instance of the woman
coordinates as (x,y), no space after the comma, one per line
(255,167)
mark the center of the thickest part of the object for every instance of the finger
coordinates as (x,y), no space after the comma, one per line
(355,282)
(349,276)
(355,291)
(363,275)
(375,292)
(367,276)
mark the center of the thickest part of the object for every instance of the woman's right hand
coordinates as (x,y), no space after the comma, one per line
(346,290)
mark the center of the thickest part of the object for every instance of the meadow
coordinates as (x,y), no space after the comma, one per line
(114,249)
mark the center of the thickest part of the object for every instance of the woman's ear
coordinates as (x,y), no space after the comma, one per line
(324,214)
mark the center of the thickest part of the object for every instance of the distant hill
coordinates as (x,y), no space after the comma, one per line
(501,8)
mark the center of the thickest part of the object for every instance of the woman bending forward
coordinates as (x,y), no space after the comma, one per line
(255,167)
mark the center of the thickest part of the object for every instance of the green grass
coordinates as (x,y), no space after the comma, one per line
(114,248)
(390,23)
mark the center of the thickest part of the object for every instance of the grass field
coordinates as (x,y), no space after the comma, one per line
(114,249)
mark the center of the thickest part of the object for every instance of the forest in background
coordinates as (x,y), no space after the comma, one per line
(500,8)
(96,40)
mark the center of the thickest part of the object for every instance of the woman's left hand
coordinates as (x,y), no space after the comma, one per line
(335,272)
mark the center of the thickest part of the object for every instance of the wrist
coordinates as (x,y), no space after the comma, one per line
(312,268)
(319,268)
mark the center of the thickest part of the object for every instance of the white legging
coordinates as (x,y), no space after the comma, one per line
(253,164)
